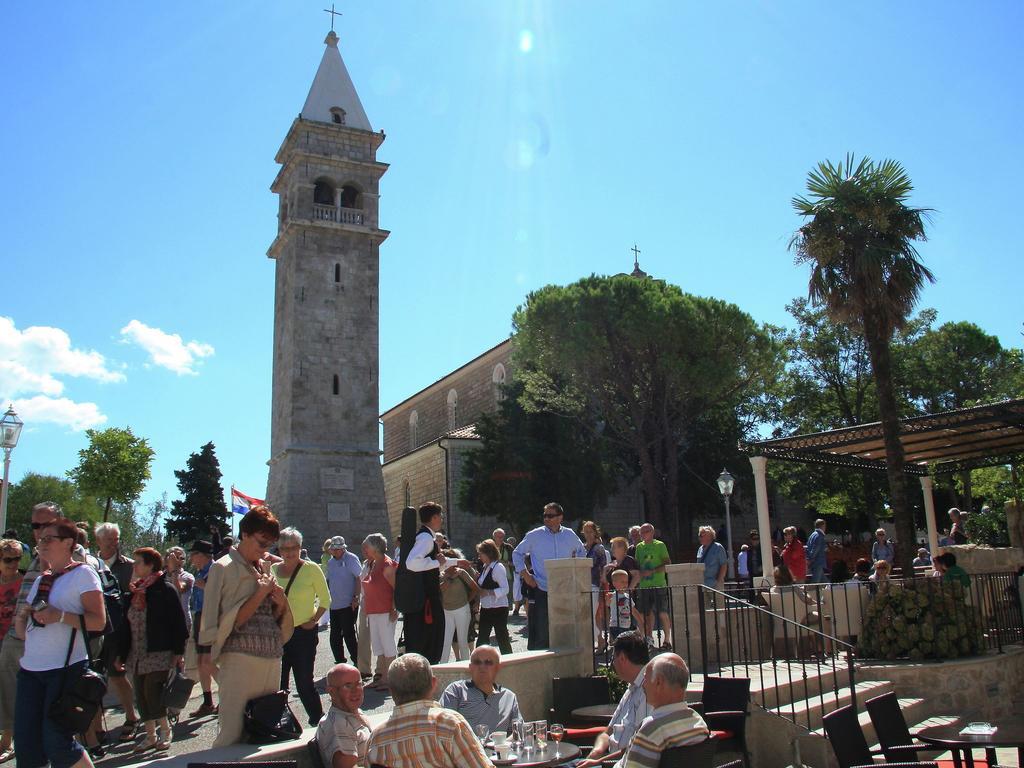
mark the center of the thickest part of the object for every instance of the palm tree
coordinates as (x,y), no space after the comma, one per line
(859,240)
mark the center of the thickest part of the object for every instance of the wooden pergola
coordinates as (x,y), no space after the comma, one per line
(981,436)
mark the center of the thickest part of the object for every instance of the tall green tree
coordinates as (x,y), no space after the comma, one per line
(528,458)
(644,359)
(202,502)
(34,488)
(959,365)
(858,238)
(114,466)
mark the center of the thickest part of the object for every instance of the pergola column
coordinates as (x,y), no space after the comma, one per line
(929,514)
(764,526)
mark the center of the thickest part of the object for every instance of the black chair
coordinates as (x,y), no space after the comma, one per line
(315,758)
(247,764)
(700,755)
(731,764)
(724,705)
(892,731)
(848,742)
(568,693)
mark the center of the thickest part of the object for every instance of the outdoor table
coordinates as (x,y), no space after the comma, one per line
(595,713)
(543,758)
(1009,733)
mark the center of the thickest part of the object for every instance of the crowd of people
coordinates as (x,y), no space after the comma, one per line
(253,609)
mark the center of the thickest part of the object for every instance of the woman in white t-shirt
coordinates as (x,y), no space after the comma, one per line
(57,603)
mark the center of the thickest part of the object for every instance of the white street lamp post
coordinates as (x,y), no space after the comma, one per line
(725,483)
(10,431)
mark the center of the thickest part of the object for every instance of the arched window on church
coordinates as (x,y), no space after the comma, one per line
(407,493)
(338,115)
(453,408)
(351,197)
(337,273)
(414,422)
(323,192)
(336,384)
(498,382)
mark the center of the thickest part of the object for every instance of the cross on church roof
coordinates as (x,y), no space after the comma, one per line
(333,14)
(636,255)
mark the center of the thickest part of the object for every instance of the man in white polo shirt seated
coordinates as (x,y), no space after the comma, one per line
(480,699)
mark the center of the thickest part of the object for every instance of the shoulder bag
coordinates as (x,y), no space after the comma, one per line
(76,705)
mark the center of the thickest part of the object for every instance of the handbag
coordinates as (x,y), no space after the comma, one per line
(76,705)
(177,690)
(269,719)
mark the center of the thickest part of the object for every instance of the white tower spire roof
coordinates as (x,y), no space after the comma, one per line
(332,89)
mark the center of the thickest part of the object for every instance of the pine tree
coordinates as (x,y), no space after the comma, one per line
(203,503)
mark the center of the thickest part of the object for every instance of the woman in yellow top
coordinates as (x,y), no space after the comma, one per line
(309,598)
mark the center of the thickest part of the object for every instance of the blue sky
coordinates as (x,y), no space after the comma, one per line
(529,142)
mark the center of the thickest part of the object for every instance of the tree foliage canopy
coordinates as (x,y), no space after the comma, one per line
(113,467)
(202,503)
(643,361)
(528,458)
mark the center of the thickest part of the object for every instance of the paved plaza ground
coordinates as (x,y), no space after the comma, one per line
(195,735)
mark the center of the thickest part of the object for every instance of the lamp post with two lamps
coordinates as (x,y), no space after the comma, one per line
(725,484)
(10,431)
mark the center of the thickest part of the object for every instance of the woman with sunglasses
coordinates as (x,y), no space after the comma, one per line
(246,622)
(10,586)
(65,597)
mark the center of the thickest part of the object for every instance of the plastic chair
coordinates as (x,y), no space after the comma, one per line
(848,742)
(724,704)
(845,604)
(700,755)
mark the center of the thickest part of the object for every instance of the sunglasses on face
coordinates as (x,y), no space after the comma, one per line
(548,516)
(483,662)
(9,560)
(37,526)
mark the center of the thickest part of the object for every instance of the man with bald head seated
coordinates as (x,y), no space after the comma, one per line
(671,723)
(343,733)
(480,699)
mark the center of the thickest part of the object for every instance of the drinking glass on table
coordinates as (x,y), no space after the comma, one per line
(516,733)
(482,731)
(556,731)
(540,727)
(528,737)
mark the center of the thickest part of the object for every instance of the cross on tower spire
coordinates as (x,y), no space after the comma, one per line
(636,256)
(333,14)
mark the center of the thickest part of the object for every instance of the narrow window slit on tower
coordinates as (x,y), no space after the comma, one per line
(337,273)
(336,384)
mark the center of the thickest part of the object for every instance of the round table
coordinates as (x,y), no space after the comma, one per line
(542,758)
(600,714)
(1009,734)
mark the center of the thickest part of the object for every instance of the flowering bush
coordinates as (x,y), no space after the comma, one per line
(920,619)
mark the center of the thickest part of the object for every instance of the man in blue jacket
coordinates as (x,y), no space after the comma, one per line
(815,550)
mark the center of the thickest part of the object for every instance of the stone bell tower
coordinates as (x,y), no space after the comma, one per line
(325,473)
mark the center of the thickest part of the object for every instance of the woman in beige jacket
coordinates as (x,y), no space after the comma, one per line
(246,621)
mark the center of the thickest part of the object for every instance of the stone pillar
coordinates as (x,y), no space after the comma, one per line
(1015,525)
(570,616)
(682,581)
(764,525)
(929,514)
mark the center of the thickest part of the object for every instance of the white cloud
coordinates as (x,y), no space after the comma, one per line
(59,410)
(166,350)
(32,359)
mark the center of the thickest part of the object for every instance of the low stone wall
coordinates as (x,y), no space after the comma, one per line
(983,687)
(977,559)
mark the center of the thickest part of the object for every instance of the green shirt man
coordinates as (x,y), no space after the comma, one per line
(650,555)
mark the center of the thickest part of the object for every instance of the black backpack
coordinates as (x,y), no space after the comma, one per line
(113,601)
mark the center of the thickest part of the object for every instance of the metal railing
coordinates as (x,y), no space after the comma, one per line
(805,636)
(337,215)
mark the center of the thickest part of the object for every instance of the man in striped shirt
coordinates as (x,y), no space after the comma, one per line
(420,733)
(672,723)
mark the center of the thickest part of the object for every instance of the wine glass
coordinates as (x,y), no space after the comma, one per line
(556,732)
(482,731)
